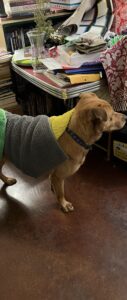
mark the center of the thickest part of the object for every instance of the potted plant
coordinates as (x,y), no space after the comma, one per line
(42,24)
(39,34)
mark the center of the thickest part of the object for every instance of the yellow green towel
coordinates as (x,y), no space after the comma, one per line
(60,123)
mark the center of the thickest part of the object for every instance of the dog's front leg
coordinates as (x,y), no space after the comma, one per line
(5,179)
(58,187)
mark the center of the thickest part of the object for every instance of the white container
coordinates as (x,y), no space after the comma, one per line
(75,58)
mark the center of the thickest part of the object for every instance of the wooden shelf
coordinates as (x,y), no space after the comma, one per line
(7,21)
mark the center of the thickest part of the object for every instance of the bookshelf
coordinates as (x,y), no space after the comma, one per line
(13,33)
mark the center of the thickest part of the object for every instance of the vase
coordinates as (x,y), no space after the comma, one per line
(37,48)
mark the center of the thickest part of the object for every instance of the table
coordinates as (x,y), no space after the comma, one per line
(26,82)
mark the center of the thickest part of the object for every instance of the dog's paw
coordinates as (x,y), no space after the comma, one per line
(67,206)
(10,181)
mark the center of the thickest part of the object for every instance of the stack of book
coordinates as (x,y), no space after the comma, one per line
(70,76)
(7,96)
(20,8)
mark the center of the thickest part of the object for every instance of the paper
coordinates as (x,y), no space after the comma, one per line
(51,63)
(20,55)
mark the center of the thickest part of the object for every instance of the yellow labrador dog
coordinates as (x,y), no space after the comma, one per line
(92,117)
(89,119)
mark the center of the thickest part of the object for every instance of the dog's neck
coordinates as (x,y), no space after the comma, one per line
(83,132)
(77,139)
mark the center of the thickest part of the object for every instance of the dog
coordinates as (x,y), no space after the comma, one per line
(88,120)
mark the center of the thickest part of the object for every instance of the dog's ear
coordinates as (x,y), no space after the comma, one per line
(98,114)
(96,117)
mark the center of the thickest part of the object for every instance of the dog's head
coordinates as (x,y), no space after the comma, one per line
(97,116)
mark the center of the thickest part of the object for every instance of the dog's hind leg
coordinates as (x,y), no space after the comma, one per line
(5,179)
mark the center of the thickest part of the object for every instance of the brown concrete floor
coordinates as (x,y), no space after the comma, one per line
(46,254)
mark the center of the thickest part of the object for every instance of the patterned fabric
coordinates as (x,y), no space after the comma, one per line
(114,61)
(91,15)
(103,17)
(120,15)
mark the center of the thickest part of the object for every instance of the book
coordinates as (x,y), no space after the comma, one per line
(23,8)
(17,38)
(80,78)
(21,3)
(21,15)
(62,82)
(5,58)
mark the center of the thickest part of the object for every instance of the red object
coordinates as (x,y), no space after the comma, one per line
(53,51)
(120,16)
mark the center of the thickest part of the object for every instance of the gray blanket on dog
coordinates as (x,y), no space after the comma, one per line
(31,145)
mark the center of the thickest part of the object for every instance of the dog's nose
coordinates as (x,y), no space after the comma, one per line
(125,117)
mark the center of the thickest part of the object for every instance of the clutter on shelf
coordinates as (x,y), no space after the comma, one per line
(7,96)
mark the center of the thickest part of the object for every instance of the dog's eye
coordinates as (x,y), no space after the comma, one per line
(111,119)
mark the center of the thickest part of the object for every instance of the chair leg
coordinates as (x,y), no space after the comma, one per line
(109,146)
